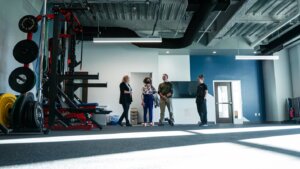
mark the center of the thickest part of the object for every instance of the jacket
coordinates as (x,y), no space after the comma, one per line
(125,98)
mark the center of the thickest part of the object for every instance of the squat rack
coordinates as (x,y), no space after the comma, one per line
(55,76)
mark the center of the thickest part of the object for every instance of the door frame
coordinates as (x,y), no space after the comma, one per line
(228,120)
(237,101)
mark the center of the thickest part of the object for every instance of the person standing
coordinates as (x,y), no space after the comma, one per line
(165,91)
(148,100)
(201,101)
(125,100)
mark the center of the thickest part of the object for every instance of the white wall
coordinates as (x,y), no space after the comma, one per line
(176,66)
(283,83)
(278,86)
(270,91)
(178,69)
(10,13)
(294,54)
(114,61)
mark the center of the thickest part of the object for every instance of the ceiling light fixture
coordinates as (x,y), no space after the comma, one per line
(127,40)
(214,52)
(256,57)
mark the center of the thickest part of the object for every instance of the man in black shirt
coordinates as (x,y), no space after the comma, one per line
(201,100)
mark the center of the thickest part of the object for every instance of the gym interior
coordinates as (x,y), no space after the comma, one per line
(142,84)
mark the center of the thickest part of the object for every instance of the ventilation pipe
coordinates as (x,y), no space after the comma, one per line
(201,9)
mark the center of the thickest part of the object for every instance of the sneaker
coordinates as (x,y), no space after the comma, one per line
(144,124)
(171,123)
(205,125)
(151,124)
(120,124)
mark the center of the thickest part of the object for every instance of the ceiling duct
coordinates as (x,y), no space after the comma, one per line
(201,9)
(278,44)
(107,32)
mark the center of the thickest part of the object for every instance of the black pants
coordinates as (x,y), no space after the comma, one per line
(202,110)
(125,113)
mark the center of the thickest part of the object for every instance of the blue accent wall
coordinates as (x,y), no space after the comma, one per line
(227,68)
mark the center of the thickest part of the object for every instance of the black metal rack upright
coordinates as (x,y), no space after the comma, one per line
(57,76)
(72,62)
(53,77)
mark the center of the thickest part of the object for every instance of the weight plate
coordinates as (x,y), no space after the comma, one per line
(22,79)
(26,119)
(30,111)
(15,111)
(6,103)
(26,51)
(19,108)
(29,98)
(28,24)
(31,117)
(38,115)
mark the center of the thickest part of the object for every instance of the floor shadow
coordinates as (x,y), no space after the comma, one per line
(13,154)
(269,148)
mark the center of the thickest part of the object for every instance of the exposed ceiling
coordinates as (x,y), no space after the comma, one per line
(253,21)
(137,15)
(257,18)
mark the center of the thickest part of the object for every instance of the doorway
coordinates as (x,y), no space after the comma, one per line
(137,84)
(224,103)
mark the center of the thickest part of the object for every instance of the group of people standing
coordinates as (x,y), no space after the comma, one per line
(162,98)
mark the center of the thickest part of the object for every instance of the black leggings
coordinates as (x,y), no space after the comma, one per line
(125,113)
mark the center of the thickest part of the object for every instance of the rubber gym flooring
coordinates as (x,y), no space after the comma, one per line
(181,146)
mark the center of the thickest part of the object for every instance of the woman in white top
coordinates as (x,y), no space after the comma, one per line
(148,101)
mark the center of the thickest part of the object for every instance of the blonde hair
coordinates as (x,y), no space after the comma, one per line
(125,78)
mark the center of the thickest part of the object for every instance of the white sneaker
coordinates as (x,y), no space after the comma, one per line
(144,124)
(205,125)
